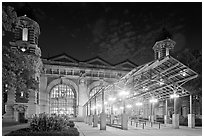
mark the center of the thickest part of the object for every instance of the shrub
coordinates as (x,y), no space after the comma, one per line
(71,124)
(29,132)
(45,125)
(44,122)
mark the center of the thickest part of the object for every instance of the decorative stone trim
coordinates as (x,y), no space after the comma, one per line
(20,107)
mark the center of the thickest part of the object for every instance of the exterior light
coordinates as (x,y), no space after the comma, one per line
(161,82)
(94,107)
(121,108)
(183,72)
(22,94)
(98,105)
(111,99)
(129,106)
(153,100)
(174,96)
(115,109)
(145,88)
(139,104)
(23,49)
(105,103)
(123,93)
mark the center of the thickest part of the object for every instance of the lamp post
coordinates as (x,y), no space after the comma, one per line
(175,118)
(90,116)
(95,118)
(111,100)
(166,117)
(87,113)
(103,114)
(124,118)
(191,116)
(139,104)
(152,101)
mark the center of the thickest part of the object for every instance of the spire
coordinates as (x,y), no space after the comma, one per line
(163,34)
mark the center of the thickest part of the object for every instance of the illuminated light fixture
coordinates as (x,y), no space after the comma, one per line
(161,83)
(22,94)
(92,108)
(98,105)
(123,93)
(174,96)
(121,107)
(115,109)
(145,88)
(105,103)
(129,106)
(153,100)
(111,99)
(183,72)
(139,104)
(23,49)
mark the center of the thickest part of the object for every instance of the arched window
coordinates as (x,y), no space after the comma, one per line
(94,90)
(25,34)
(62,100)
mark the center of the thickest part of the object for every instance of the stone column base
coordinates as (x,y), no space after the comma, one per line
(9,115)
(103,121)
(175,121)
(166,119)
(90,120)
(124,121)
(149,118)
(86,119)
(95,121)
(191,120)
(111,119)
(152,118)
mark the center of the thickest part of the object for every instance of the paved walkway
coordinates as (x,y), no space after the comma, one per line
(6,130)
(88,130)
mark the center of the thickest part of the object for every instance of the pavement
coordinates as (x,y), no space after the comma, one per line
(165,130)
(8,129)
(89,130)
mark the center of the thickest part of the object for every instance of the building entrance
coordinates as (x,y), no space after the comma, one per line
(63,100)
(21,117)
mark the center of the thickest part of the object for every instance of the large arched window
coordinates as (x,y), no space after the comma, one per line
(94,90)
(63,100)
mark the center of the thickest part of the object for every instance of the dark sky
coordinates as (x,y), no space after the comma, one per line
(78,29)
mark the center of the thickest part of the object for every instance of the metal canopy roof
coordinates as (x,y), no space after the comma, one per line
(158,78)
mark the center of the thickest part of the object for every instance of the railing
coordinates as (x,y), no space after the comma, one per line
(77,73)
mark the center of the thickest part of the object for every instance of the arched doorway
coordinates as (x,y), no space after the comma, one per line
(63,100)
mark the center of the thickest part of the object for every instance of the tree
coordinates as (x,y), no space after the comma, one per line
(18,69)
(192,59)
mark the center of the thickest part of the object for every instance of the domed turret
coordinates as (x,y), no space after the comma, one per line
(163,44)
(27,32)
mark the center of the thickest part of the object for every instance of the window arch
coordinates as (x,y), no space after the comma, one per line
(94,90)
(63,100)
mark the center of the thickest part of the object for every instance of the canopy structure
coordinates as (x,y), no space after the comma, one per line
(159,79)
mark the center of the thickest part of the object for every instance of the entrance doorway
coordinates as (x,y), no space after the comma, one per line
(21,117)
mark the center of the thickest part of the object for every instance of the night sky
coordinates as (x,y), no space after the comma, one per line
(86,30)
